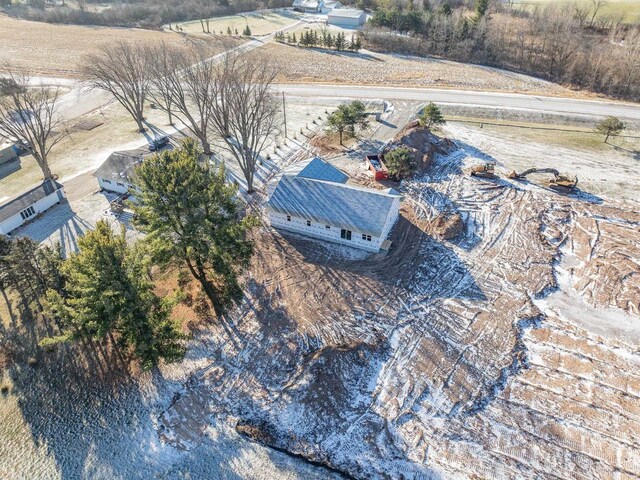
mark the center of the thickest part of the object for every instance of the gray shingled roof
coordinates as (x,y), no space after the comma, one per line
(317,169)
(24,200)
(350,207)
(119,166)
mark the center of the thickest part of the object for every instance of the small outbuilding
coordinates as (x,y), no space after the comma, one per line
(115,174)
(314,199)
(342,17)
(26,206)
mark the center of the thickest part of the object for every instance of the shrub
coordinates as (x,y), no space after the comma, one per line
(400,163)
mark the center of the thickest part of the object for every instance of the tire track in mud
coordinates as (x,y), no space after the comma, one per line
(423,343)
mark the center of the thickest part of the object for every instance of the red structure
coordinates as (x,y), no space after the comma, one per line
(374,163)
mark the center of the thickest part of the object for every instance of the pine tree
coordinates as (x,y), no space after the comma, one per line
(340,42)
(431,115)
(229,31)
(107,293)
(329,41)
(293,39)
(191,216)
(247,31)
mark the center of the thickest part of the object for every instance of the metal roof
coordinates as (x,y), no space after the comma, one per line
(345,13)
(15,205)
(354,208)
(317,169)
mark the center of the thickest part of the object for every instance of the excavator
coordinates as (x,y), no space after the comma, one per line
(560,180)
(486,170)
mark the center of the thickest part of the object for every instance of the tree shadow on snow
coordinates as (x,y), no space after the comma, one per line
(416,260)
(78,401)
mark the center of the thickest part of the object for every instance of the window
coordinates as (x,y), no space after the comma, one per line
(288,218)
(366,237)
(308,223)
(346,234)
(327,227)
(106,181)
(29,212)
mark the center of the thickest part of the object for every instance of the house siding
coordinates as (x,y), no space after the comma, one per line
(318,230)
(40,206)
(113,186)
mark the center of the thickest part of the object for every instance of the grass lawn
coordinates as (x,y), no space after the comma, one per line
(630,8)
(259,23)
(575,137)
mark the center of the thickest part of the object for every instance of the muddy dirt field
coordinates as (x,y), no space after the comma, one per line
(501,353)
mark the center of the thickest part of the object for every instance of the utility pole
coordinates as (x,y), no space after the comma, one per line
(284,110)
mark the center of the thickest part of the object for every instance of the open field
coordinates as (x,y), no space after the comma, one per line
(57,50)
(259,23)
(308,65)
(630,9)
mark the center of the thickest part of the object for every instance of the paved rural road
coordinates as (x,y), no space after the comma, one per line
(509,101)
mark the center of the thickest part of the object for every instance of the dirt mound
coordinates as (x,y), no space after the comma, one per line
(447,225)
(421,142)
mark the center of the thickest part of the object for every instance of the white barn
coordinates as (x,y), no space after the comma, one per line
(342,17)
(313,199)
(114,175)
(26,206)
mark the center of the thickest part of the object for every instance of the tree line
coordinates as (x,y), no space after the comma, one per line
(146,13)
(570,44)
(105,291)
(230,99)
(311,38)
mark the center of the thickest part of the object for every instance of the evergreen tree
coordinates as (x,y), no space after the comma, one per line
(191,215)
(610,126)
(316,40)
(247,31)
(236,32)
(340,42)
(348,118)
(229,31)
(107,293)
(293,39)
(400,163)
(431,115)
(329,41)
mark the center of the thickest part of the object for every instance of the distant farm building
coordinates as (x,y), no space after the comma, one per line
(313,199)
(308,6)
(28,205)
(346,18)
(114,175)
(330,5)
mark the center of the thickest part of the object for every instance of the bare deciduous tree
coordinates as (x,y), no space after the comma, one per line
(123,70)
(185,85)
(246,112)
(163,63)
(596,6)
(29,114)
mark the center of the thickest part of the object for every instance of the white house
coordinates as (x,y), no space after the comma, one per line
(313,199)
(330,5)
(114,175)
(308,6)
(20,209)
(342,17)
